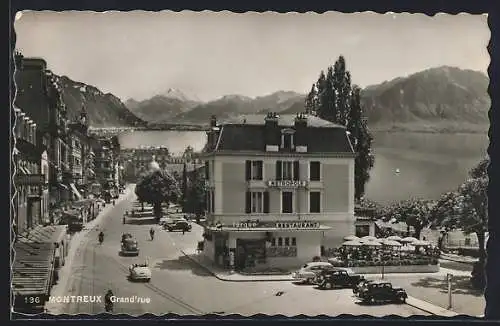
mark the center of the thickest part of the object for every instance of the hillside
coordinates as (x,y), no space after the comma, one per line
(437,98)
(104,110)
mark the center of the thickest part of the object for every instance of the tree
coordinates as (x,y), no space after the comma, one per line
(337,101)
(342,86)
(184,187)
(361,139)
(468,209)
(196,194)
(414,212)
(157,187)
(310,102)
(446,208)
(188,153)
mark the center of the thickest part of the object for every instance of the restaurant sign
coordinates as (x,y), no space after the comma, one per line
(277,225)
(30,179)
(287,183)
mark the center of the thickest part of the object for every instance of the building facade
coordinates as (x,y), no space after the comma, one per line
(279,189)
(80,158)
(36,106)
(29,180)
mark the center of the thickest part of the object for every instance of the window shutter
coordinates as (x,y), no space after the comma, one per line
(266,202)
(248,170)
(247,202)
(278,170)
(296,170)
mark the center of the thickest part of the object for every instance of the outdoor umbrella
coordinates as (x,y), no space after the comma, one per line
(372,243)
(420,243)
(369,238)
(409,240)
(350,238)
(391,243)
(394,238)
(352,243)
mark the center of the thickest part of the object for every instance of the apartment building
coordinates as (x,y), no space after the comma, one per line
(279,189)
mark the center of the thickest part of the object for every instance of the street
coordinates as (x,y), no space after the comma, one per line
(180,286)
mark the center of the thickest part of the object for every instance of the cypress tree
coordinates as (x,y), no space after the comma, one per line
(310,102)
(361,140)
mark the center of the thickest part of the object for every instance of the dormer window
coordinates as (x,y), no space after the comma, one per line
(287,141)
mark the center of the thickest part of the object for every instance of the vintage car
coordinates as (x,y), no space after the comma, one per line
(126,236)
(382,292)
(129,247)
(362,284)
(328,279)
(308,272)
(140,272)
(178,225)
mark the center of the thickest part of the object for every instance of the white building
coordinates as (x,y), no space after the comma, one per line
(279,189)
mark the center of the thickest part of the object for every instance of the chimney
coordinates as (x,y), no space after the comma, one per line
(301,129)
(213,121)
(212,134)
(271,119)
(272,130)
(301,120)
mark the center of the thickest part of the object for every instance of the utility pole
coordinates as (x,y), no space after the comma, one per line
(449,278)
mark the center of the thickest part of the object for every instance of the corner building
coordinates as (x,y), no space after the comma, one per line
(280,189)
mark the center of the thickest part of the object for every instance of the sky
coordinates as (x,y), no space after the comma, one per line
(207,55)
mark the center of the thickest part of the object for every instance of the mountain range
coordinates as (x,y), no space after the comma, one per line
(437,99)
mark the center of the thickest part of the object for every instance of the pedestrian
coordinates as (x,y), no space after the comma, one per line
(183,231)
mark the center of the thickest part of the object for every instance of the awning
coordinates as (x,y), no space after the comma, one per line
(32,269)
(75,191)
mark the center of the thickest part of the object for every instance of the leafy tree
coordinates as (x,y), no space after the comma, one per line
(157,187)
(184,187)
(196,194)
(188,153)
(467,209)
(414,212)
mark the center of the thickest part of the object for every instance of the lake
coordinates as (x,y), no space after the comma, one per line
(428,163)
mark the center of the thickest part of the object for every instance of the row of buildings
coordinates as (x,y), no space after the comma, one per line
(57,163)
(280,189)
(136,160)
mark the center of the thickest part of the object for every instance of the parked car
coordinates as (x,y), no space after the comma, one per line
(140,272)
(129,247)
(308,272)
(328,279)
(178,225)
(382,292)
(362,284)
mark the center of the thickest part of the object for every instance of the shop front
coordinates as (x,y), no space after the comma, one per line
(255,245)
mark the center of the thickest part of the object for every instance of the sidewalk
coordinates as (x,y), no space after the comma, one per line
(77,240)
(431,308)
(229,276)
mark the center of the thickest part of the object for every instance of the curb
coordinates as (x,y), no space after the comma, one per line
(217,276)
(430,308)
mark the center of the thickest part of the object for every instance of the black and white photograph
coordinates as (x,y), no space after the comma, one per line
(198,163)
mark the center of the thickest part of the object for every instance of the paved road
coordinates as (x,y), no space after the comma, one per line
(180,286)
